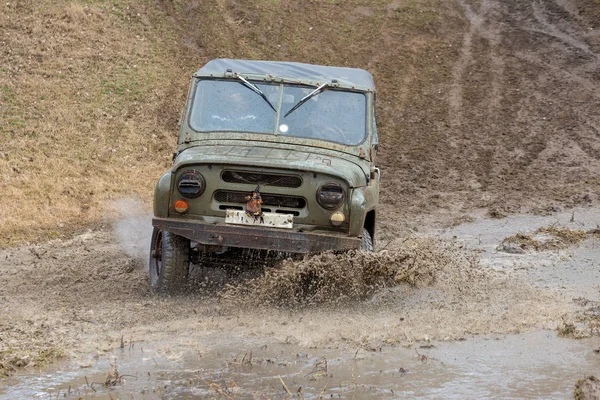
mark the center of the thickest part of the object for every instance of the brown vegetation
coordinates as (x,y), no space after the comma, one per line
(81,87)
(587,388)
(91,91)
(547,238)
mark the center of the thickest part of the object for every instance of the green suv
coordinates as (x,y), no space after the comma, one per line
(272,156)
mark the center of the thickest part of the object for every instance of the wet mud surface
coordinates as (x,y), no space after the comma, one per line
(572,270)
(484,323)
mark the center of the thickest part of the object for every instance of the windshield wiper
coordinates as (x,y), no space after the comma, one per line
(256,90)
(307,97)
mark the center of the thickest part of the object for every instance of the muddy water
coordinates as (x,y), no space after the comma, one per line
(258,360)
(573,271)
(532,365)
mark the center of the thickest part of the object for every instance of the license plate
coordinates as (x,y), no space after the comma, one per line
(269,220)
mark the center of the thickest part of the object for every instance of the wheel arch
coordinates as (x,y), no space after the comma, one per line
(369,223)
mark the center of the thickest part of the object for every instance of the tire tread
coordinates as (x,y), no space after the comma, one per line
(175,264)
(366,241)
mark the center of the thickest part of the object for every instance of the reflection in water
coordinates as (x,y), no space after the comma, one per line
(533,365)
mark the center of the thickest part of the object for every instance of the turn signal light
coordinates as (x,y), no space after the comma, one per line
(181,206)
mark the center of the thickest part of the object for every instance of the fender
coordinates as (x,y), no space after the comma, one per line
(363,200)
(162,195)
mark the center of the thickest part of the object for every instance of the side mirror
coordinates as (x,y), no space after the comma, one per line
(376,146)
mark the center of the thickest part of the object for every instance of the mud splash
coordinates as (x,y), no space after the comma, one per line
(419,293)
(332,279)
(416,290)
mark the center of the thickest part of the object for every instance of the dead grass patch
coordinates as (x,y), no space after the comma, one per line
(80,83)
(12,359)
(570,330)
(546,238)
(585,322)
(587,388)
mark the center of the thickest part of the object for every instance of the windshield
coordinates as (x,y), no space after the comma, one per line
(230,106)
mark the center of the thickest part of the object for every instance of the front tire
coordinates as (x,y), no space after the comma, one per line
(367,242)
(169,262)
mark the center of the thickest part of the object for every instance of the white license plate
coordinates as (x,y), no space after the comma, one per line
(269,220)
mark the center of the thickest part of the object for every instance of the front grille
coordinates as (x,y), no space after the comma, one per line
(274,200)
(255,178)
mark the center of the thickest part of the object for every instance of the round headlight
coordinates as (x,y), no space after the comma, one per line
(191,184)
(330,196)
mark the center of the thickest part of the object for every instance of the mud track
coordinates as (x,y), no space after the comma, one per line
(85,294)
(523,116)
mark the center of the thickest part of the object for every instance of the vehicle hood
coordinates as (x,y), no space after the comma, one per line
(303,159)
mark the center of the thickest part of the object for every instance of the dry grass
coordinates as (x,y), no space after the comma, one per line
(585,322)
(570,330)
(587,388)
(80,87)
(91,90)
(113,378)
(15,358)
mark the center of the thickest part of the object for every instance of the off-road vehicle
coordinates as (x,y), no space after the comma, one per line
(273,156)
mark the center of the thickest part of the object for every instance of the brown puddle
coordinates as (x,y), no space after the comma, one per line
(534,365)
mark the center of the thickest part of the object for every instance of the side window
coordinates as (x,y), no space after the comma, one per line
(375,137)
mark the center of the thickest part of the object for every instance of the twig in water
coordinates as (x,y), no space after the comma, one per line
(284,386)
(322,391)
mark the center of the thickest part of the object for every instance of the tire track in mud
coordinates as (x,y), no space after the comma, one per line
(477,28)
(481,32)
(525,90)
(553,31)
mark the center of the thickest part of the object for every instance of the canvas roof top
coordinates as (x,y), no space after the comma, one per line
(290,71)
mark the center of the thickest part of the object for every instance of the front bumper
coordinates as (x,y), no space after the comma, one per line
(256,237)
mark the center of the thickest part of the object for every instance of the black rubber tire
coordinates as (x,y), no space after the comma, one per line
(169,264)
(367,242)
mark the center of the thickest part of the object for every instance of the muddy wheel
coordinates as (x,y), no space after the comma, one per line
(169,262)
(367,242)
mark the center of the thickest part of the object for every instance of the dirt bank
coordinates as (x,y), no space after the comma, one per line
(514,126)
